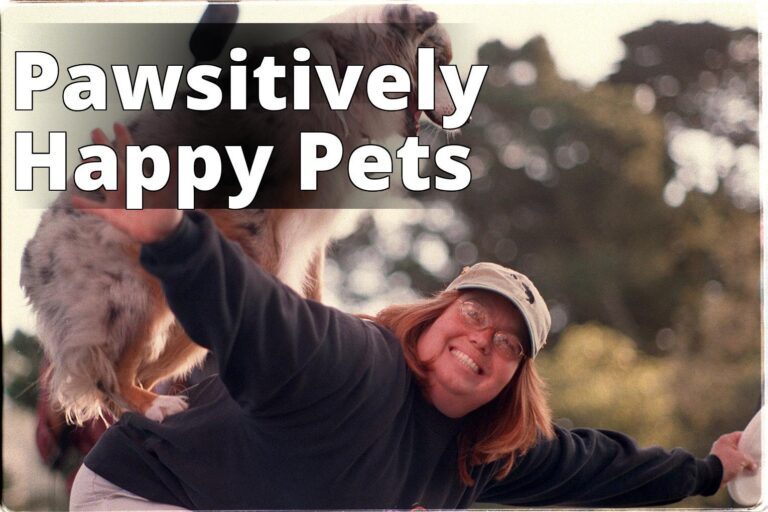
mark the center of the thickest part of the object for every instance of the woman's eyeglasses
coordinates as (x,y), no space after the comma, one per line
(475,316)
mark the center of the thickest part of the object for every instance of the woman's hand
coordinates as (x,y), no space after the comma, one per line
(144,226)
(733,460)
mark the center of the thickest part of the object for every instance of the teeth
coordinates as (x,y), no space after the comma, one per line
(466,360)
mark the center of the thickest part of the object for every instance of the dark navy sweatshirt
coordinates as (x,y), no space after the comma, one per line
(315,408)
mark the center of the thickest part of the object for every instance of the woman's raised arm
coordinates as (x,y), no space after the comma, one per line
(272,346)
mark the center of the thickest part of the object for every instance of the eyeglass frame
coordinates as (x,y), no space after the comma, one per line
(484,324)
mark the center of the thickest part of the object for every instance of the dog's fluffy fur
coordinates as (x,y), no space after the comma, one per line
(103,321)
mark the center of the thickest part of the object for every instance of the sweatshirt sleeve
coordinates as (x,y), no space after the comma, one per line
(596,468)
(274,348)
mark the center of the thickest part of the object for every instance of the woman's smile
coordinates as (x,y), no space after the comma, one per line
(466,361)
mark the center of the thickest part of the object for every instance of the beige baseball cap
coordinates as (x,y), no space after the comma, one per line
(518,289)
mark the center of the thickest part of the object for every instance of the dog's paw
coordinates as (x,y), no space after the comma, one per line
(164,406)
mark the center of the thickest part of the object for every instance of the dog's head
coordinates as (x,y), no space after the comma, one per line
(373,36)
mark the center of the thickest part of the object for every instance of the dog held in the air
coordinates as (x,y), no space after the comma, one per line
(104,323)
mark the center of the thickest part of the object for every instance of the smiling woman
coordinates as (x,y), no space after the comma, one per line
(436,403)
(472,349)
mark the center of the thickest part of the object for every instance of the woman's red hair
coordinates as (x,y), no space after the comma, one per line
(503,429)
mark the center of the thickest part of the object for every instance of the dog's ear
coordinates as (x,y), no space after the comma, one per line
(409,19)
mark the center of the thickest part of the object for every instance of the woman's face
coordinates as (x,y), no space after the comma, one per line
(469,367)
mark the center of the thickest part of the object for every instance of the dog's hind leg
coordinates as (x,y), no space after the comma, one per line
(178,358)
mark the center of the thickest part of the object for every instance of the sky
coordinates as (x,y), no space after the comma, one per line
(582,36)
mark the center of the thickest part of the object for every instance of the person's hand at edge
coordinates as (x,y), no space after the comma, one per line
(733,460)
(144,226)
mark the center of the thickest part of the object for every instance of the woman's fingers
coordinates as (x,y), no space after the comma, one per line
(123,139)
(115,198)
(749,463)
(99,137)
(733,460)
(122,135)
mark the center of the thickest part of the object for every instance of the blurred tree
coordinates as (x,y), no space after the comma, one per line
(598,378)
(22,356)
(706,75)
(611,384)
(703,81)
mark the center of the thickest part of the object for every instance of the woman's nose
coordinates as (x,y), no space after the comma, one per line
(481,339)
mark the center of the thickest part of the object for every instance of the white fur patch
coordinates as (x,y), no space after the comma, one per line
(164,406)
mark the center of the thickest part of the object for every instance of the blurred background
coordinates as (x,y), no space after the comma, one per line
(614,155)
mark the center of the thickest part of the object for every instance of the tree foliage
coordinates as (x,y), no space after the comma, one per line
(22,355)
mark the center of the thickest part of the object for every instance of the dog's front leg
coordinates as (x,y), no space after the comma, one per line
(129,394)
(180,355)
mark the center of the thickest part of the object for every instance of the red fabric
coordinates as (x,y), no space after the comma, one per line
(53,436)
